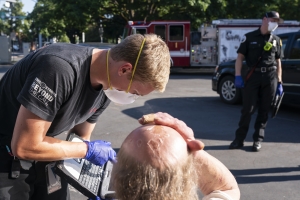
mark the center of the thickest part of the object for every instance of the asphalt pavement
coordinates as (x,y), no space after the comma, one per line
(271,174)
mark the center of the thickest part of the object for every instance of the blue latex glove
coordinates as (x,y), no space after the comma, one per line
(279,90)
(97,198)
(239,82)
(99,152)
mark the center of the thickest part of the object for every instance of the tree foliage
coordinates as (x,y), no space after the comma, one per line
(57,18)
(12,18)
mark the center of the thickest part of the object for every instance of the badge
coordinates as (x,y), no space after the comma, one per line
(243,39)
(274,43)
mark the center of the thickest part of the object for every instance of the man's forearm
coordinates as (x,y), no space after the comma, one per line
(84,130)
(213,175)
(52,149)
(279,70)
(238,67)
(239,64)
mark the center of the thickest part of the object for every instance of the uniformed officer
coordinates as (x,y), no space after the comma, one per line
(262,51)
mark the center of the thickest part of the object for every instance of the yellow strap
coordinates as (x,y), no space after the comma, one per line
(107,70)
(136,64)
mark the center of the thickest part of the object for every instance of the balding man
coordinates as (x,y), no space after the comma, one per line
(166,162)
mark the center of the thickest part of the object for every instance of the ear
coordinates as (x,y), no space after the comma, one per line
(125,69)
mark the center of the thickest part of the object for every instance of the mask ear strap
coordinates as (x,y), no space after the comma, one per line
(107,70)
(135,65)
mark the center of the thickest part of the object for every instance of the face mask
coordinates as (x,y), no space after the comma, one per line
(122,97)
(272,26)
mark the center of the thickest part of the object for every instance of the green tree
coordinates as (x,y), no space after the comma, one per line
(46,21)
(72,17)
(12,17)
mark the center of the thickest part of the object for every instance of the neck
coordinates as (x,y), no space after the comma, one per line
(98,69)
(264,30)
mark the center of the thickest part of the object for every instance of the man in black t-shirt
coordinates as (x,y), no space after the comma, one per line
(65,87)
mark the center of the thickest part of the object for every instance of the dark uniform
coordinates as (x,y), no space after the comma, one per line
(260,88)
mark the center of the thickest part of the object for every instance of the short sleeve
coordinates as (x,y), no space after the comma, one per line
(48,84)
(243,46)
(217,195)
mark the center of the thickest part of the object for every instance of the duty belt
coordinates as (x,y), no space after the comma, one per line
(265,69)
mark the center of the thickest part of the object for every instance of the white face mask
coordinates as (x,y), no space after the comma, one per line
(272,26)
(120,97)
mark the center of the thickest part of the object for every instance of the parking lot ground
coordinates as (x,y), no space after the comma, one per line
(271,174)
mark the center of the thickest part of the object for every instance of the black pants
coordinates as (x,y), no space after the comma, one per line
(258,94)
(30,185)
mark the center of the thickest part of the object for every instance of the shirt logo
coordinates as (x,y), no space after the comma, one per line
(41,92)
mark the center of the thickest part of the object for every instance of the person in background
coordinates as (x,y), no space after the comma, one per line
(32,46)
(262,51)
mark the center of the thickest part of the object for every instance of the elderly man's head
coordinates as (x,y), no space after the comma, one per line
(154,163)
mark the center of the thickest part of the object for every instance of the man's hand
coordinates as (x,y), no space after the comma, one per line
(167,120)
(239,82)
(279,90)
(99,152)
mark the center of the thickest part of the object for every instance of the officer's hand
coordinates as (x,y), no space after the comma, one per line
(165,119)
(239,82)
(279,90)
(99,152)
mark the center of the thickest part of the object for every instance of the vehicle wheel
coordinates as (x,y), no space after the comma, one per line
(228,93)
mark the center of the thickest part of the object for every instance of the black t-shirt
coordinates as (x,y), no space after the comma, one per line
(53,83)
(252,47)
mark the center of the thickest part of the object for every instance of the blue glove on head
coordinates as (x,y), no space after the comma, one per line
(279,90)
(99,152)
(239,82)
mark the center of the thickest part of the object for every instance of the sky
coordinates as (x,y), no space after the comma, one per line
(28,5)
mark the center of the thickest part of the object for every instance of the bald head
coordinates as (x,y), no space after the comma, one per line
(156,145)
(154,162)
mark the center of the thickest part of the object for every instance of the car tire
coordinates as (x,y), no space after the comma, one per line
(228,92)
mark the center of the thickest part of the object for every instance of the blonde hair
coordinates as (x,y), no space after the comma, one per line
(141,181)
(153,66)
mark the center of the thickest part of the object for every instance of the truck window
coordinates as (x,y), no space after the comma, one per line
(283,41)
(176,32)
(141,31)
(295,52)
(161,31)
(196,37)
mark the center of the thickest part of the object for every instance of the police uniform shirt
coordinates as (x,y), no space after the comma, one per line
(53,83)
(252,47)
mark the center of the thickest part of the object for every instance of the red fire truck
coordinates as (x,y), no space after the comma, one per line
(207,47)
